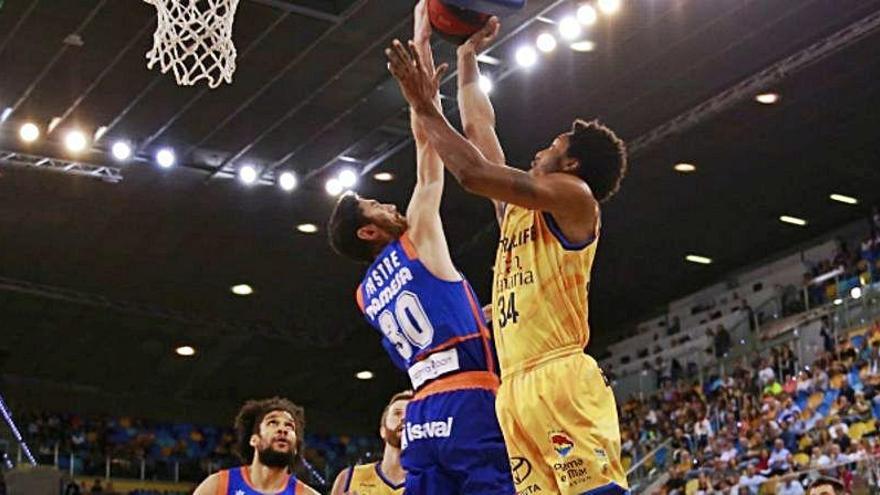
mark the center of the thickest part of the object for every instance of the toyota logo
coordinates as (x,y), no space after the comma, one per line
(520,468)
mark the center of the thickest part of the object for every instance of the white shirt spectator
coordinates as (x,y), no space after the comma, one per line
(779,459)
(703,428)
(728,455)
(822,460)
(752,483)
(790,487)
(766,375)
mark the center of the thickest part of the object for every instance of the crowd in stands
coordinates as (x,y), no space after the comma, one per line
(768,425)
(197,450)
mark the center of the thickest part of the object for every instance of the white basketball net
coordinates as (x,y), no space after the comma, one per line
(194,40)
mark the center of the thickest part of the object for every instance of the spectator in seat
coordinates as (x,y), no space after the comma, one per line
(780,458)
(790,485)
(751,480)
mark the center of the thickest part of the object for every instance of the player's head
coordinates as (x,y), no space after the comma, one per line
(825,486)
(271,430)
(393,418)
(590,151)
(359,228)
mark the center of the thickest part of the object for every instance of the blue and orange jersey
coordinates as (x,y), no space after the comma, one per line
(430,327)
(237,481)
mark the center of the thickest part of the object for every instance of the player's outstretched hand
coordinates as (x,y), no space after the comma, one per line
(481,40)
(418,83)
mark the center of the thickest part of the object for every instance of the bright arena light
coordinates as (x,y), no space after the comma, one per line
(242,290)
(364,375)
(29,132)
(685,168)
(5,115)
(247,174)
(307,228)
(569,28)
(844,199)
(855,293)
(166,158)
(185,350)
(583,46)
(546,42)
(526,56)
(586,14)
(700,260)
(333,187)
(838,301)
(287,181)
(486,84)
(767,98)
(800,222)
(75,141)
(121,150)
(347,178)
(609,6)
(384,176)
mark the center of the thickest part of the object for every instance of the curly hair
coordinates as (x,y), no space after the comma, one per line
(251,414)
(602,157)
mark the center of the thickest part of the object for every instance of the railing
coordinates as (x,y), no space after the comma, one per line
(646,469)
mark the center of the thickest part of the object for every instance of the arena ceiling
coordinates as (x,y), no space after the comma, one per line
(101,280)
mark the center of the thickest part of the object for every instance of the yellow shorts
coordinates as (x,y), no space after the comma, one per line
(559,421)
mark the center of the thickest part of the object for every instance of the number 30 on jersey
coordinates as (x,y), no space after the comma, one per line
(408,325)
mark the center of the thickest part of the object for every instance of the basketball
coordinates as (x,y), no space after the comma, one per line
(454,24)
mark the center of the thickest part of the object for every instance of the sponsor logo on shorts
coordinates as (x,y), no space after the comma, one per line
(572,471)
(428,429)
(562,443)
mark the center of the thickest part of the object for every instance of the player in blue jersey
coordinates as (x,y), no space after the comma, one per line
(431,326)
(269,435)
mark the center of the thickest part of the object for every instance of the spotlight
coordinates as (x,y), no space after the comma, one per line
(29,132)
(486,84)
(838,301)
(800,222)
(586,14)
(855,293)
(347,178)
(333,187)
(844,199)
(165,158)
(609,6)
(685,168)
(384,176)
(287,181)
(242,290)
(75,141)
(767,98)
(185,350)
(546,42)
(569,28)
(700,260)
(5,115)
(247,174)
(121,150)
(526,56)
(364,375)
(583,46)
(99,133)
(307,228)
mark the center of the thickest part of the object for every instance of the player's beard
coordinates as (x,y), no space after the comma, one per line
(270,457)
(392,437)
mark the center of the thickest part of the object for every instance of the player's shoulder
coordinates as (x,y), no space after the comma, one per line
(304,489)
(213,483)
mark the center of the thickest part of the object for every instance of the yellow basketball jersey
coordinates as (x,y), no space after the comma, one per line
(368,479)
(539,291)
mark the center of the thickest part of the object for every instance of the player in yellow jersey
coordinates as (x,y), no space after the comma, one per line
(556,410)
(385,477)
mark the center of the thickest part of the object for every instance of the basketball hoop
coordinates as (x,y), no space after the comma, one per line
(194,40)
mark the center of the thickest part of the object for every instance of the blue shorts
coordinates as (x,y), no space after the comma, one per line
(453,445)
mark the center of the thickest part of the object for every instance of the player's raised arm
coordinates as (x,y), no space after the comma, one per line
(423,212)
(477,114)
(559,194)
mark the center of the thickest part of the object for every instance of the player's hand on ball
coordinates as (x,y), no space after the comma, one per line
(480,40)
